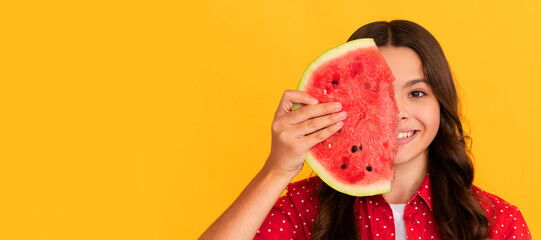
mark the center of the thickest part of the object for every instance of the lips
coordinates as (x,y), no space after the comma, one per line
(406,136)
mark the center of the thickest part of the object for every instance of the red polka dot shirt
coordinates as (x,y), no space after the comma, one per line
(293,215)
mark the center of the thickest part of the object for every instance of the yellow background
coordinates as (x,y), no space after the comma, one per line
(145,119)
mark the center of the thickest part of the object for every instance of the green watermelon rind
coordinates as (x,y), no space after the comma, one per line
(374,189)
(381,187)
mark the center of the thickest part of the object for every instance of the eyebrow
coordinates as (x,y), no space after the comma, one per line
(413,82)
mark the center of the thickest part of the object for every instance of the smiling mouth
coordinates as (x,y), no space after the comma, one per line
(406,136)
(409,134)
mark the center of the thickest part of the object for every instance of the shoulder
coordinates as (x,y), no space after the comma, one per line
(293,214)
(493,205)
(303,195)
(303,188)
(505,219)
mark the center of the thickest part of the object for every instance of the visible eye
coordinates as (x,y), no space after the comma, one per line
(417,94)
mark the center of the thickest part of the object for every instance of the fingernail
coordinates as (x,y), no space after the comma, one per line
(339,124)
(337,106)
(314,101)
(342,115)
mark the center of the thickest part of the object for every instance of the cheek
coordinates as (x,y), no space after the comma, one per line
(429,115)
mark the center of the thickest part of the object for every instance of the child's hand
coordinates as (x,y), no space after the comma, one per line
(295,132)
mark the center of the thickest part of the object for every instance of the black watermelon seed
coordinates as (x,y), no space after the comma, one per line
(334,82)
(360,147)
(353,149)
(366,84)
(369,168)
(343,166)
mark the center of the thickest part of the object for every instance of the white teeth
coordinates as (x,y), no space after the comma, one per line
(405,135)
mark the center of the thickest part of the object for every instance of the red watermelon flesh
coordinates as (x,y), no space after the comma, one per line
(357,160)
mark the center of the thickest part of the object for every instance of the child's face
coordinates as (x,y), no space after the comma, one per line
(419,108)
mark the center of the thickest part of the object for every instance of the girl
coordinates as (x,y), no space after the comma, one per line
(432,194)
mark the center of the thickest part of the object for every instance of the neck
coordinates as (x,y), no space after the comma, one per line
(408,177)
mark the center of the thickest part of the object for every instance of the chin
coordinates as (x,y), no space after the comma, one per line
(399,161)
(403,157)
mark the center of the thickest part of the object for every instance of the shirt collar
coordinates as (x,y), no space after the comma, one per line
(424,192)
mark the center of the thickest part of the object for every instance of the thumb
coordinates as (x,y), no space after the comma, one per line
(292,99)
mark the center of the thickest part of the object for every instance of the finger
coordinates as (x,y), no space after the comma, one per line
(322,134)
(291,97)
(312,111)
(315,124)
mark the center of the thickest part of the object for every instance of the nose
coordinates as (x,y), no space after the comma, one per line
(402,115)
(403,112)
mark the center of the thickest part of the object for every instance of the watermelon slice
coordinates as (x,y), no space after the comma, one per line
(357,160)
